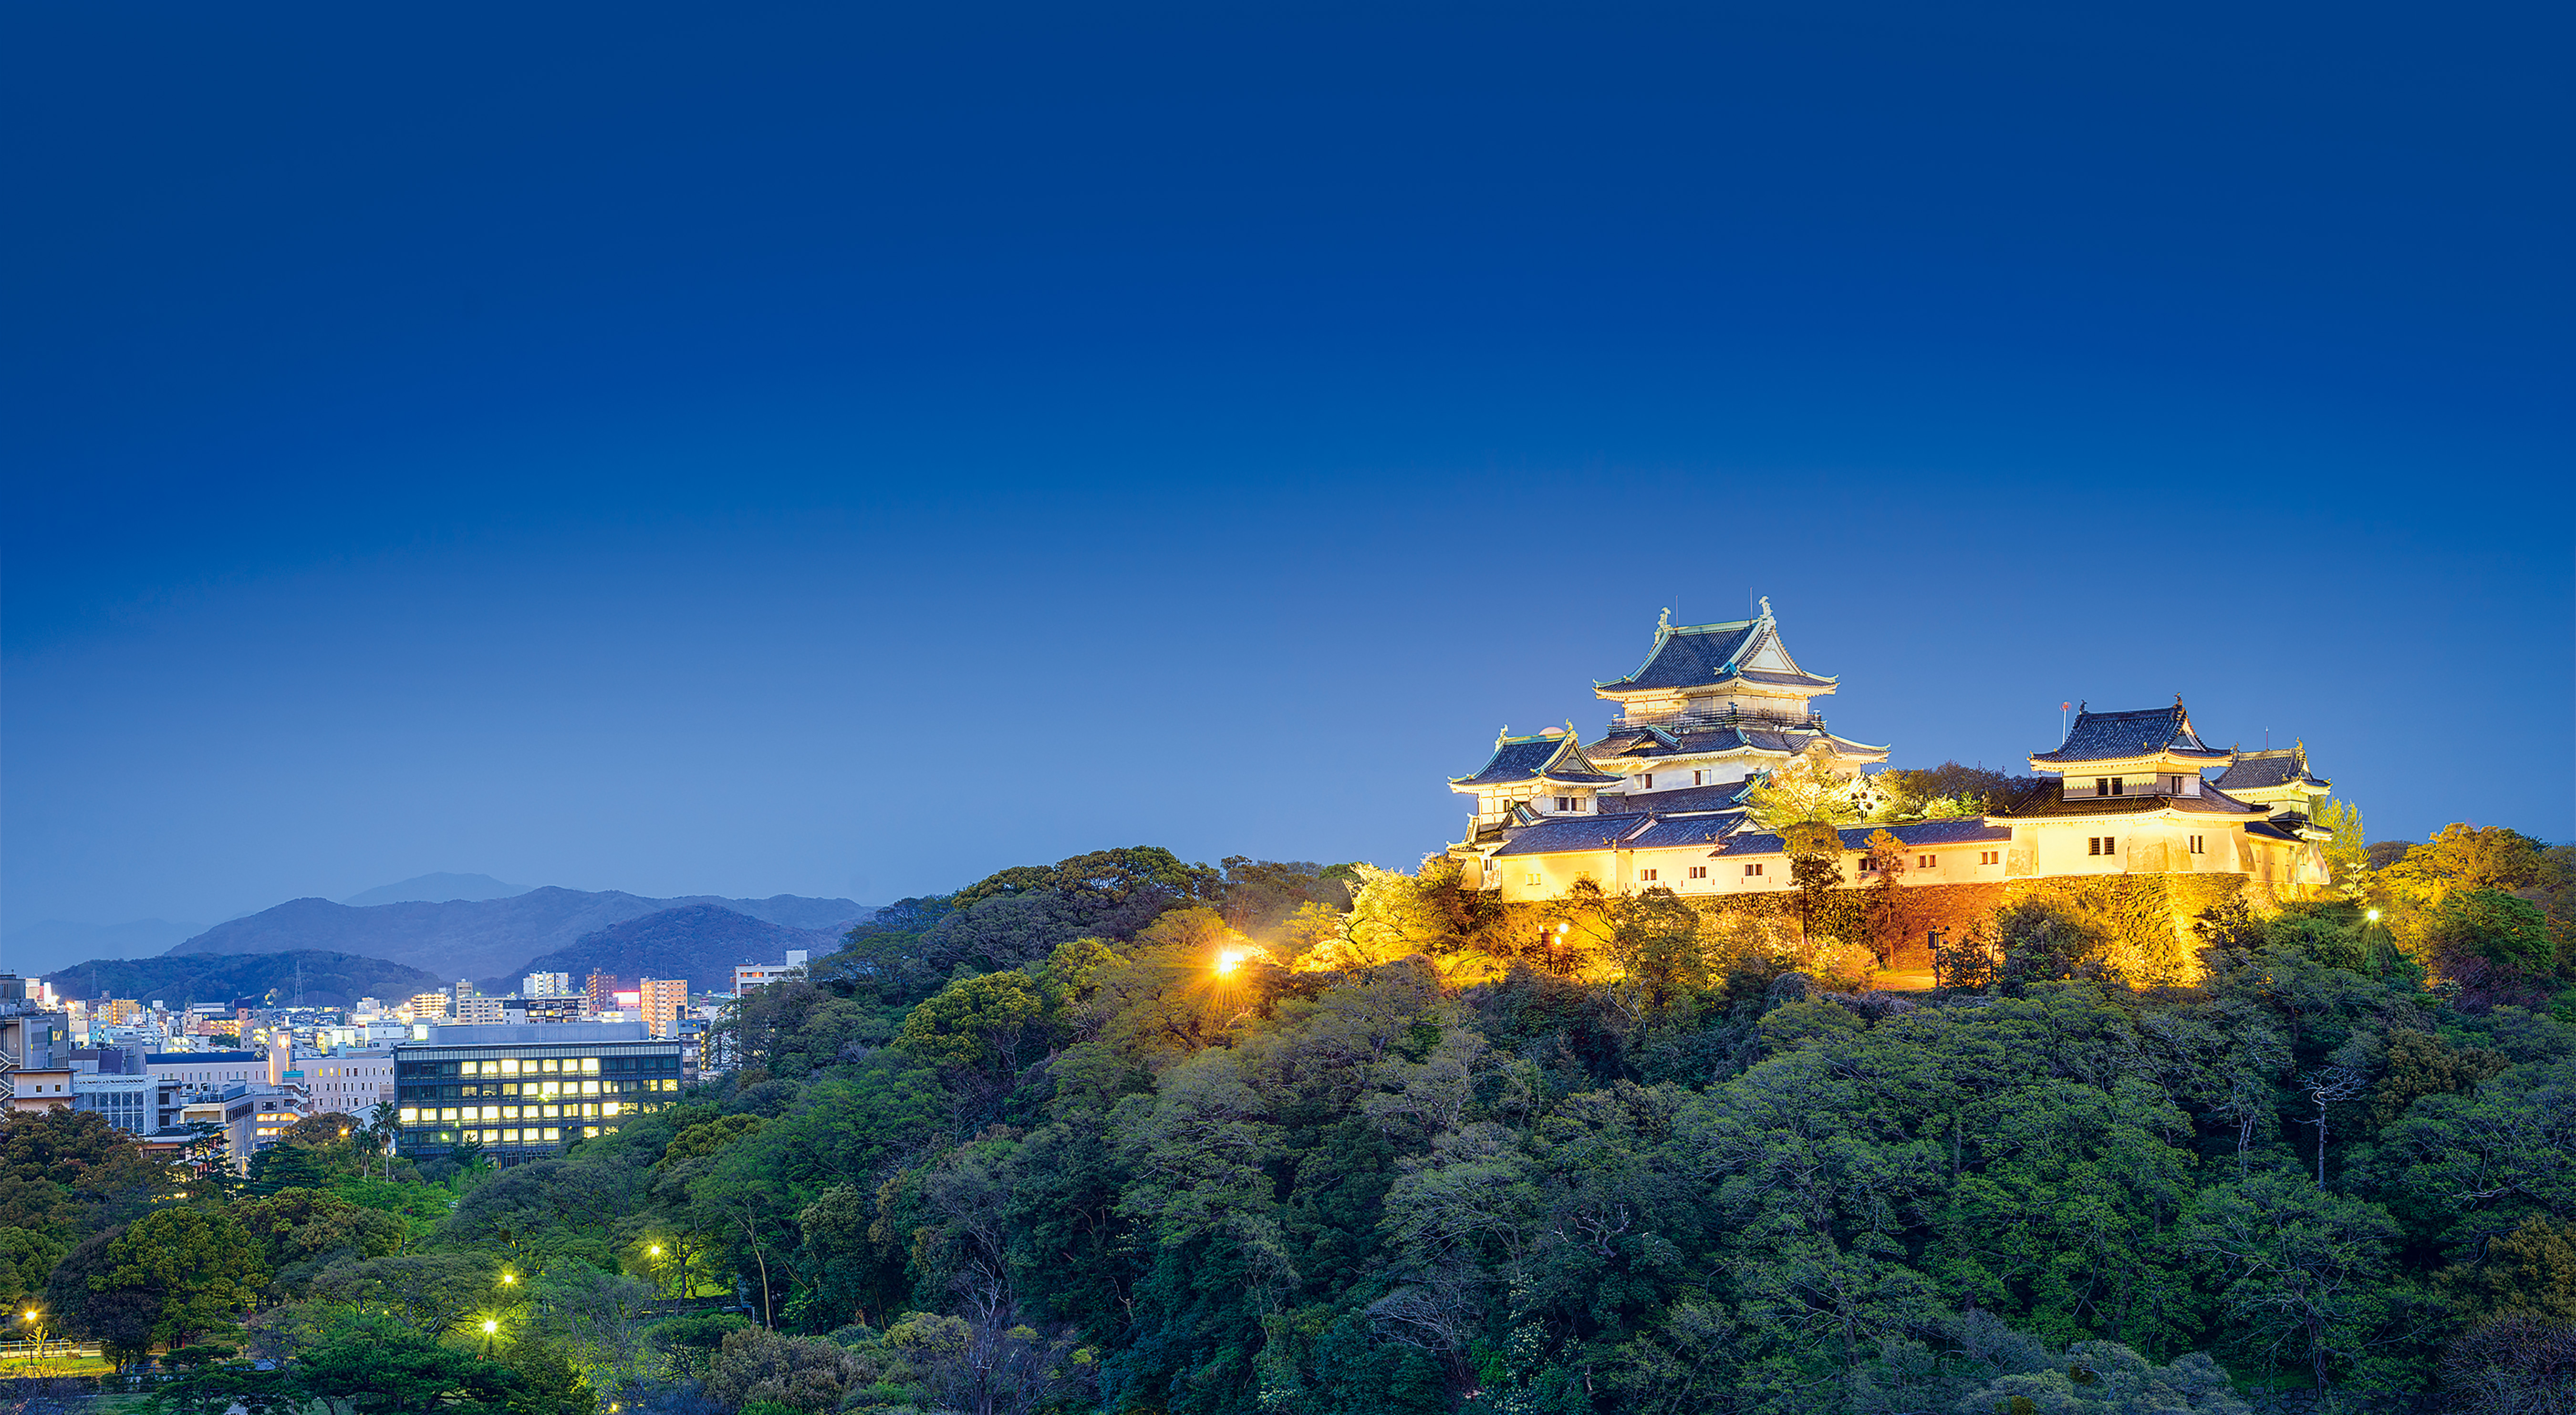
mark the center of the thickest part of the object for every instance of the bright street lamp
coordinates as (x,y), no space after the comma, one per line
(2371,914)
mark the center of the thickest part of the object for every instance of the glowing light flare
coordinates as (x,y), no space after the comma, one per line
(1229,959)
(2371,914)
(490,1326)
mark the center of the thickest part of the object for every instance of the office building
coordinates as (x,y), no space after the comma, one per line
(524,1091)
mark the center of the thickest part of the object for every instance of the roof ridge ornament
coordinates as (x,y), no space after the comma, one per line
(1766,606)
(1664,618)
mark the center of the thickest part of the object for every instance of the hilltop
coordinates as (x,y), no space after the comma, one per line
(321,978)
(435,888)
(699,942)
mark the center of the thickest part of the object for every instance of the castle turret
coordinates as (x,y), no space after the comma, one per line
(1713,705)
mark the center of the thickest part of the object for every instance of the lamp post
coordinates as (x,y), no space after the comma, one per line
(655,1254)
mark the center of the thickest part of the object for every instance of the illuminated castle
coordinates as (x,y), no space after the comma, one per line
(1658,799)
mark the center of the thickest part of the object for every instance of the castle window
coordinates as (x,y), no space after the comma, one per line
(1991,857)
(2177,785)
(1699,778)
(1869,864)
(1752,868)
(1647,875)
(2101,845)
(1925,862)
(1565,803)
(1532,880)
(1699,872)
(2092,845)
(2195,846)
(1646,782)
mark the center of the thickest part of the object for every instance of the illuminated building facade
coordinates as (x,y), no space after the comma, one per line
(1657,800)
(525,1090)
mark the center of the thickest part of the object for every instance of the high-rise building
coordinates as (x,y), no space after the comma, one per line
(479,1011)
(424,1007)
(662,1000)
(601,992)
(547,985)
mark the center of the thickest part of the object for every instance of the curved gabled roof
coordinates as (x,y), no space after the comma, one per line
(2260,771)
(1558,834)
(2210,802)
(1553,758)
(1665,742)
(1706,655)
(2118,736)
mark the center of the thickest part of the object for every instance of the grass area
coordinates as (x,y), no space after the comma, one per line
(20,1369)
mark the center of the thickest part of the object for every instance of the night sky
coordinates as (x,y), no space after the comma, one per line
(844,450)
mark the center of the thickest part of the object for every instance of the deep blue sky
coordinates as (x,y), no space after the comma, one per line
(844,450)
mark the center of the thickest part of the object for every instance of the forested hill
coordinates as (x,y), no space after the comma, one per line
(1130,1134)
(313,977)
(484,938)
(699,942)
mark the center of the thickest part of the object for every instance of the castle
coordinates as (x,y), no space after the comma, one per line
(1659,798)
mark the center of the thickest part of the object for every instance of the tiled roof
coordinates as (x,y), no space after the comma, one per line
(1557,759)
(1658,742)
(1677,831)
(1564,833)
(1700,655)
(2108,736)
(2274,831)
(2257,771)
(1913,833)
(1689,798)
(2209,803)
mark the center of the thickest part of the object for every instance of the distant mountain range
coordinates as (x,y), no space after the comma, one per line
(699,942)
(491,938)
(317,977)
(432,889)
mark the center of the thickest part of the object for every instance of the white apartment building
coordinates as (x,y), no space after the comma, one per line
(350,1080)
(747,976)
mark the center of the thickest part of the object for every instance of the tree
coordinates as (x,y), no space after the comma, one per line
(1886,912)
(1809,789)
(2348,853)
(1394,915)
(2041,940)
(371,1362)
(26,1258)
(2529,1272)
(2462,857)
(2303,1276)
(382,1118)
(428,1292)
(803,1375)
(2488,925)
(1656,940)
(199,1264)
(979,1023)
